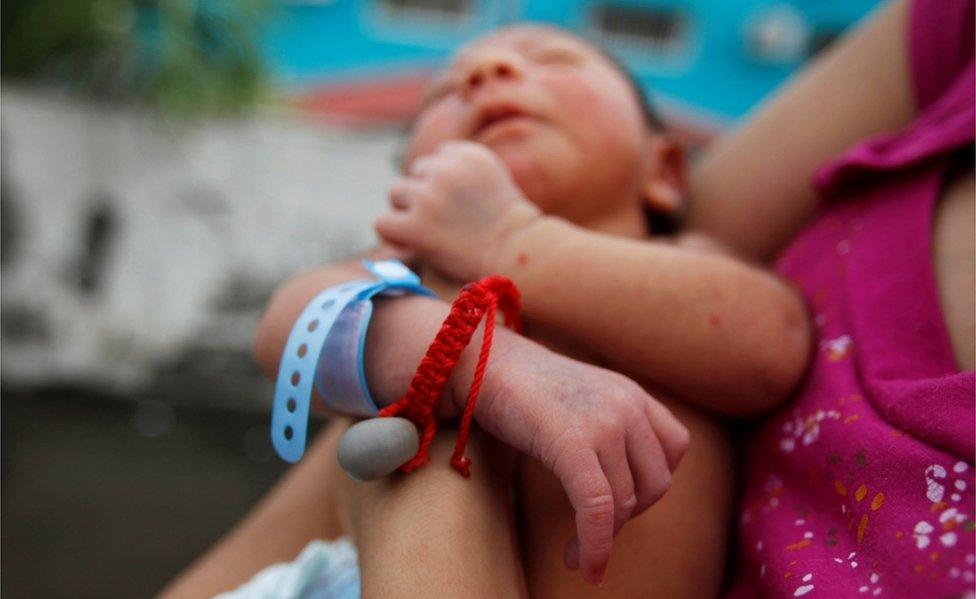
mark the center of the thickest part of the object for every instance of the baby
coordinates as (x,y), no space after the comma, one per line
(535,157)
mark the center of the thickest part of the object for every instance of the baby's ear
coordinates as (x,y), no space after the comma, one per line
(665,183)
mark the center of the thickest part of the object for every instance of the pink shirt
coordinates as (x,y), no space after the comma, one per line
(864,485)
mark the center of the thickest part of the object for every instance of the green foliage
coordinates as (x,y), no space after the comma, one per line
(182,56)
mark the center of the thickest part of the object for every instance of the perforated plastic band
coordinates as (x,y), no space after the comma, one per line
(302,360)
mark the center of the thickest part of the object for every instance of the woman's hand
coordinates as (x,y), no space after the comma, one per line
(612,446)
(455,209)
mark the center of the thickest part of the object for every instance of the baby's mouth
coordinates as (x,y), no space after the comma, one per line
(492,117)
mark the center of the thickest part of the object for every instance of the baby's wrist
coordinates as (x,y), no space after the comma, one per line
(391,364)
(401,330)
(513,252)
(520,216)
(505,344)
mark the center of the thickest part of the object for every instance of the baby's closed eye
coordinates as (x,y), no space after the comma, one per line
(554,54)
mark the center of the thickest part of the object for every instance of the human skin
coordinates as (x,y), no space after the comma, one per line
(591,70)
(617,141)
(632,487)
(857,89)
(545,105)
(464,525)
(463,530)
(735,188)
(737,185)
(525,400)
(866,110)
(737,337)
(531,159)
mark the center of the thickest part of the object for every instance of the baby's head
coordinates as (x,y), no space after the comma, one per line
(571,125)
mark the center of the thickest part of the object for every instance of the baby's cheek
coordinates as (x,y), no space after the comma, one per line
(538,179)
(613,130)
(601,119)
(432,128)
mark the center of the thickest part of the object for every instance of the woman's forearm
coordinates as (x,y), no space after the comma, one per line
(717,331)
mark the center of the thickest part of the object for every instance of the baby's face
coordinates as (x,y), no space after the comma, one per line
(560,116)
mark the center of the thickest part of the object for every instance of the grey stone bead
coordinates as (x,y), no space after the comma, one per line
(374,448)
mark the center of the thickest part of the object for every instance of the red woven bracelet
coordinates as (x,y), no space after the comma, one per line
(417,405)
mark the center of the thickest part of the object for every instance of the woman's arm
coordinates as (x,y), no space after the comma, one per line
(761,173)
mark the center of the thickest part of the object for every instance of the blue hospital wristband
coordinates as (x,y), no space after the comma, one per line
(325,350)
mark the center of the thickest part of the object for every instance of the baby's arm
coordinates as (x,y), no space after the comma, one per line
(701,324)
(718,331)
(402,329)
(612,447)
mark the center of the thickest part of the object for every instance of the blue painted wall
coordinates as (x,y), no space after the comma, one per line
(708,70)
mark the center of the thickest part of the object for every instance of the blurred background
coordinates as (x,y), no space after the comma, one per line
(167,163)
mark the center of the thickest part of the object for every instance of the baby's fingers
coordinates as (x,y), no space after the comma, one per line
(396,227)
(618,472)
(424,166)
(650,466)
(639,479)
(673,435)
(591,496)
(404,193)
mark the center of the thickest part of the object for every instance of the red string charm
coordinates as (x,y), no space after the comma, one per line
(476,300)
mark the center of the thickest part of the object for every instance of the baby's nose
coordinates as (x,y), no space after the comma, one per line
(496,66)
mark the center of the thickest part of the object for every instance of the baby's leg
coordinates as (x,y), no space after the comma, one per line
(430,533)
(434,534)
(675,549)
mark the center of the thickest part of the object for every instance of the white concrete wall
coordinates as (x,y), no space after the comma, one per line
(202,210)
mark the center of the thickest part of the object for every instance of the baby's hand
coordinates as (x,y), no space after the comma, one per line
(455,209)
(612,446)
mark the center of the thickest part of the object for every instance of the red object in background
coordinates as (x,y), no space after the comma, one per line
(394,99)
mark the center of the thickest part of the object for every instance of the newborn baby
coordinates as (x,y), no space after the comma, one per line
(536,157)
(529,137)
